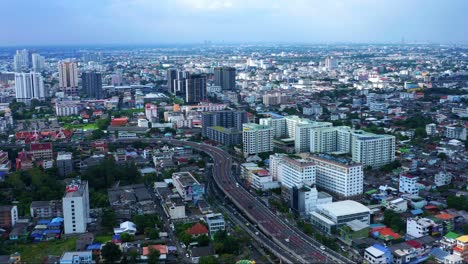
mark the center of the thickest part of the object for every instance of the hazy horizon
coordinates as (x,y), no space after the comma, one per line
(148,22)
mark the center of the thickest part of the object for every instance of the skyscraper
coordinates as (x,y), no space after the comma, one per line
(68,77)
(195,90)
(92,84)
(38,62)
(171,76)
(21,60)
(226,119)
(225,77)
(29,86)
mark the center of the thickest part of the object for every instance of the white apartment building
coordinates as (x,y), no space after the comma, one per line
(295,172)
(371,149)
(375,255)
(151,111)
(431,129)
(442,178)
(456,132)
(75,204)
(337,177)
(257,138)
(29,86)
(67,108)
(277,123)
(408,184)
(275,160)
(38,62)
(419,227)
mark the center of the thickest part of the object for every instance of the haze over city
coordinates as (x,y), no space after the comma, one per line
(30,22)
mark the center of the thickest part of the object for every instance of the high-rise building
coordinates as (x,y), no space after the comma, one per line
(92,84)
(68,77)
(64,163)
(275,161)
(75,204)
(294,173)
(29,86)
(92,56)
(371,149)
(331,63)
(171,76)
(277,122)
(151,111)
(344,179)
(257,138)
(195,90)
(226,119)
(21,60)
(225,77)
(38,62)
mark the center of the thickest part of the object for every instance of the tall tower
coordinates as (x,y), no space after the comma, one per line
(21,60)
(68,77)
(195,89)
(171,76)
(29,86)
(38,62)
(92,84)
(225,77)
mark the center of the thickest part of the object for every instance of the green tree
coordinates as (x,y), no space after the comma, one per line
(227,259)
(208,260)
(108,219)
(203,240)
(126,237)
(111,252)
(153,256)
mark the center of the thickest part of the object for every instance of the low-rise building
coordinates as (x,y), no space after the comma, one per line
(419,227)
(187,186)
(77,257)
(46,209)
(408,184)
(8,216)
(377,254)
(215,222)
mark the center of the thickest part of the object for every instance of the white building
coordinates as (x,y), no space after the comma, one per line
(419,227)
(215,222)
(277,123)
(29,86)
(431,129)
(337,177)
(371,149)
(293,173)
(143,123)
(398,205)
(75,204)
(21,60)
(331,63)
(275,160)
(257,138)
(442,178)
(67,108)
(126,227)
(375,255)
(151,112)
(328,217)
(184,183)
(456,132)
(38,62)
(408,184)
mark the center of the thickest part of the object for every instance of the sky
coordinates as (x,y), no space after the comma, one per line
(80,22)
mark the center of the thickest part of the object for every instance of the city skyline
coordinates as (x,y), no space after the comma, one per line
(224,21)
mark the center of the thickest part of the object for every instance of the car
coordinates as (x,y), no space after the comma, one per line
(322,247)
(187,255)
(256,233)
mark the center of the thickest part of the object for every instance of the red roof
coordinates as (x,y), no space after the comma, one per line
(41,146)
(444,216)
(197,229)
(414,244)
(161,248)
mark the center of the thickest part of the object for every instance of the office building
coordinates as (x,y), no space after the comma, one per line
(75,204)
(21,60)
(294,173)
(257,138)
(340,177)
(195,89)
(225,136)
(329,217)
(68,77)
(215,222)
(225,118)
(64,163)
(305,199)
(171,76)
(187,186)
(225,77)
(29,86)
(41,151)
(8,216)
(92,84)
(38,62)
(409,184)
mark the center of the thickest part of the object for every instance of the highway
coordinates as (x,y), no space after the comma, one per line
(289,238)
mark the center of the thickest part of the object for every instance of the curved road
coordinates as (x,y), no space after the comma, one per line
(294,242)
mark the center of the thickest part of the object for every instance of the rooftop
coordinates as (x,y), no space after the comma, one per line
(342,208)
(185,178)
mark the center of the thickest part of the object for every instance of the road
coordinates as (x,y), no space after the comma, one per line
(289,238)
